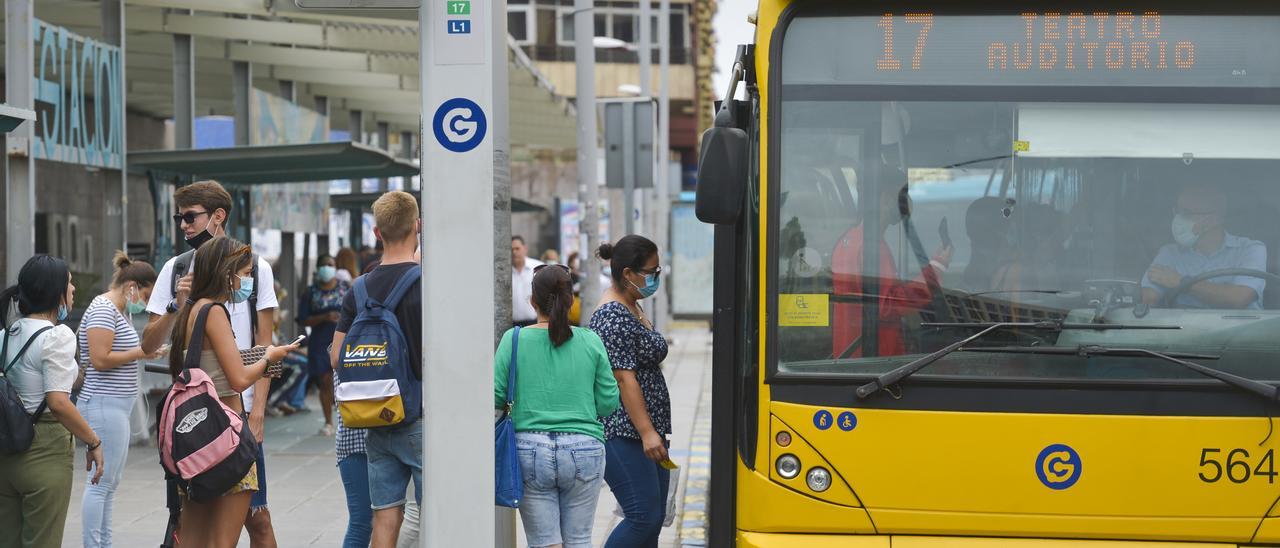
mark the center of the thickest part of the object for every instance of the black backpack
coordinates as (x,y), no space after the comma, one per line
(183,262)
(17,428)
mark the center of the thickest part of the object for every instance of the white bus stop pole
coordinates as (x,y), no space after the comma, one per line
(458,61)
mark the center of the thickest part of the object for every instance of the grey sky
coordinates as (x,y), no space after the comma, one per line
(731,29)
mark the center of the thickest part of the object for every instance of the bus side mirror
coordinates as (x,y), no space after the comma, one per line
(722,175)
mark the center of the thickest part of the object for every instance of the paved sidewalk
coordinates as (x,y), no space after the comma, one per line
(307,503)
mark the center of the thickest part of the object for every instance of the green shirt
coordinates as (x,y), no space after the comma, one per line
(562,389)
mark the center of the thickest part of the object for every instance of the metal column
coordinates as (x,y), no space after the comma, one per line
(461,73)
(384,143)
(323,246)
(355,225)
(184,88)
(662,178)
(116,231)
(241,86)
(20,172)
(588,182)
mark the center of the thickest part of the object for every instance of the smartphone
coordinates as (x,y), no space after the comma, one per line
(298,340)
(666,463)
(944,232)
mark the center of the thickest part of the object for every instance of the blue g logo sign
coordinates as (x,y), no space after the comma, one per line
(459,125)
(1058,466)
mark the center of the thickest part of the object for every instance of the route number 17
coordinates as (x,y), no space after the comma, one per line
(922,22)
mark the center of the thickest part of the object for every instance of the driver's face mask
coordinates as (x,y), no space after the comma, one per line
(1184,230)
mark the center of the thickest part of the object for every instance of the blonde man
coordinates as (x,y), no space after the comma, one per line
(394,452)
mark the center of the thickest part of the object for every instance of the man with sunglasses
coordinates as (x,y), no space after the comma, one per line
(522,313)
(1201,244)
(203,209)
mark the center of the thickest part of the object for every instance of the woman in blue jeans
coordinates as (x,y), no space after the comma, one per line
(353,466)
(636,433)
(563,384)
(109,354)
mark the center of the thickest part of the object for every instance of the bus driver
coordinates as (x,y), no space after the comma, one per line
(1201,244)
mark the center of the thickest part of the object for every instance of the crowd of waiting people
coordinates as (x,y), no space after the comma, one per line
(594,405)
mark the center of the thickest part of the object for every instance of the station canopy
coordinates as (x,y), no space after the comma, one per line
(294,163)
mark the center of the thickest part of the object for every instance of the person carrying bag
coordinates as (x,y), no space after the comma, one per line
(565,384)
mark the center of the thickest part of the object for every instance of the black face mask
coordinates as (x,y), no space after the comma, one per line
(200,238)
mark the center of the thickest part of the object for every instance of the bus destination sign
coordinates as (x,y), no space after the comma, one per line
(1146,48)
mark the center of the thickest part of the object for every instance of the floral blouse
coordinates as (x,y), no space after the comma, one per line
(634,347)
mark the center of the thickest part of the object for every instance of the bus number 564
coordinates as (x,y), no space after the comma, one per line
(1237,467)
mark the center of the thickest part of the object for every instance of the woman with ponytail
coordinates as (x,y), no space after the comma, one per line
(637,433)
(109,352)
(563,385)
(35,485)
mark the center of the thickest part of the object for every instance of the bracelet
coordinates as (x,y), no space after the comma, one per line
(94,446)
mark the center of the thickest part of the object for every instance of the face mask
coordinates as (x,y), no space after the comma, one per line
(326,274)
(62,312)
(200,238)
(132,307)
(1184,231)
(242,294)
(651,283)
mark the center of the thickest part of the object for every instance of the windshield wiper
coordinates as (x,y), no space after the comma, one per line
(1257,387)
(895,376)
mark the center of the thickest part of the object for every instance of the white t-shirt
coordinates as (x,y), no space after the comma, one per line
(241,321)
(521,289)
(48,366)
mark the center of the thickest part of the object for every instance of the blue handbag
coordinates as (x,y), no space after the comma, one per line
(508,483)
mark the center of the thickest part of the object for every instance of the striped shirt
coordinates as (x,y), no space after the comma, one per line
(121,381)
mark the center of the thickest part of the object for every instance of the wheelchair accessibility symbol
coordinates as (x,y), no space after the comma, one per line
(1058,466)
(459,125)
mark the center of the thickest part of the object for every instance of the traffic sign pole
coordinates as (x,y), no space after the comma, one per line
(463,136)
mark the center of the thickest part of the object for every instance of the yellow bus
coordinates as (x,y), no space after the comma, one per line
(997,274)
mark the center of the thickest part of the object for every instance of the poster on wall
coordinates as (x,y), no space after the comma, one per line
(291,207)
(571,237)
(692,265)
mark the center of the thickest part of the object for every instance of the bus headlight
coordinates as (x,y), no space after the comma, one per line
(788,466)
(819,479)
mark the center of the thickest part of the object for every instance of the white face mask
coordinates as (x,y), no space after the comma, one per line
(1184,231)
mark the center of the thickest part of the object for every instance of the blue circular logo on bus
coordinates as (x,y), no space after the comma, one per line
(823,420)
(1058,466)
(459,125)
(847,421)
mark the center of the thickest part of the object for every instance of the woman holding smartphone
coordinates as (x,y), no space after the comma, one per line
(222,273)
(109,352)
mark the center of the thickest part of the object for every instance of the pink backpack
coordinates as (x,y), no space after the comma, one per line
(205,446)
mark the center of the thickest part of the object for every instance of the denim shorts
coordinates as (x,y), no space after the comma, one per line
(562,477)
(395,457)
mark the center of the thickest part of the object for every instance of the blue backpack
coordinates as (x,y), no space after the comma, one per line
(377,386)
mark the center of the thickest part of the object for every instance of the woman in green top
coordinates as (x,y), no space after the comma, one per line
(563,385)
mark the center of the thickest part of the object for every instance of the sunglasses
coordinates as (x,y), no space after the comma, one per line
(188,217)
(542,266)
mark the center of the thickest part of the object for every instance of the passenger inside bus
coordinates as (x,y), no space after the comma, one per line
(895,298)
(1201,244)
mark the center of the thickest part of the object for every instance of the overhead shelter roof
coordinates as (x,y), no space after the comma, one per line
(12,117)
(364,200)
(277,163)
(362,60)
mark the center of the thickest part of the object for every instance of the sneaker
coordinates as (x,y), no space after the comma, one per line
(327,431)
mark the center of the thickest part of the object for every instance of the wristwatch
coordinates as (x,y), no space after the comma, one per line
(172,308)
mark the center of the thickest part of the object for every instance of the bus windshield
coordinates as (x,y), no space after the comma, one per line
(934,169)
